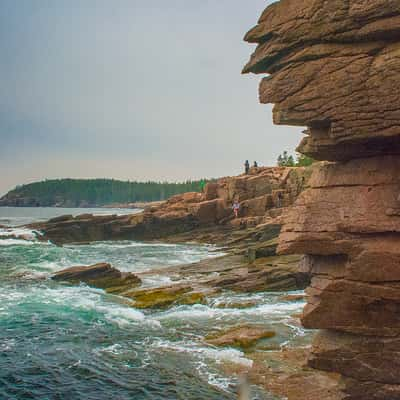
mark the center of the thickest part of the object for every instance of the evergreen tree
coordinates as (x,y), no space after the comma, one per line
(303,160)
(286,160)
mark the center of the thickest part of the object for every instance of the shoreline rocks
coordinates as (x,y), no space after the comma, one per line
(190,212)
(196,283)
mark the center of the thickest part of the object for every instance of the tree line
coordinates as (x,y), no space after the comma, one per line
(101,191)
(287,160)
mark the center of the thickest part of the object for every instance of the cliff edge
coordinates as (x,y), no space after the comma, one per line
(333,67)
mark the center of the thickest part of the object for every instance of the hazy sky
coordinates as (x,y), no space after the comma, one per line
(130,89)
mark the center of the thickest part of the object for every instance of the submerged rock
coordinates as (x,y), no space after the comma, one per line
(237,304)
(243,337)
(162,297)
(102,276)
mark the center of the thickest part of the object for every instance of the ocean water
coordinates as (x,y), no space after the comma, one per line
(14,216)
(74,342)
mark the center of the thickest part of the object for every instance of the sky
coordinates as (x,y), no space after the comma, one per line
(131,89)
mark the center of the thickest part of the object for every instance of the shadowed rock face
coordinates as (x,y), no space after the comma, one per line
(333,67)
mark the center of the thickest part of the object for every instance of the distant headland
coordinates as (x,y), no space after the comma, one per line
(94,192)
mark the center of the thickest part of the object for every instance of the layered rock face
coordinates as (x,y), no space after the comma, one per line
(334,68)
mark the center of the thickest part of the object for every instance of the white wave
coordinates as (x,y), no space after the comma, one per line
(112,349)
(53,266)
(17,236)
(91,299)
(203,355)
(155,281)
(127,244)
(15,242)
(298,330)
(206,312)
(228,355)
(218,355)
(79,297)
(7,345)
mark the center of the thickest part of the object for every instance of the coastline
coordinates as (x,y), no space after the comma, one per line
(242,269)
(249,266)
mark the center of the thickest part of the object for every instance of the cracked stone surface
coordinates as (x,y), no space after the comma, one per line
(333,67)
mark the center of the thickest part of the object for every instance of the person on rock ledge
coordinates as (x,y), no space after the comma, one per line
(236,208)
(247,167)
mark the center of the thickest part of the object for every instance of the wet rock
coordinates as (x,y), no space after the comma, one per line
(61,218)
(350,306)
(102,276)
(162,297)
(267,249)
(233,272)
(285,374)
(237,304)
(366,358)
(266,274)
(243,337)
(293,297)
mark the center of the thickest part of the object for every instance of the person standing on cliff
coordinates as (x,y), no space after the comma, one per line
(236,208)
(247,167)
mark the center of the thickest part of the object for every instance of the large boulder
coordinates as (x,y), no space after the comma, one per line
(102,276)
(256,207)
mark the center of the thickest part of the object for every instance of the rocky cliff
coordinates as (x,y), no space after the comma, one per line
(263,194)
(333,67)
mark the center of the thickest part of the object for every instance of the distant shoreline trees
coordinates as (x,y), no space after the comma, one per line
(89,192)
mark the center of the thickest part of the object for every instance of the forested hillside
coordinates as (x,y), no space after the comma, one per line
(93,192)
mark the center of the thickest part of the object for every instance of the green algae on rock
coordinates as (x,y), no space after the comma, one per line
(162,297)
